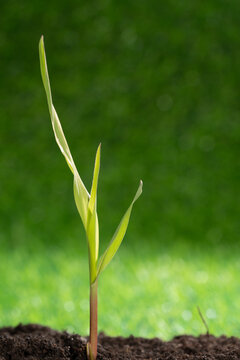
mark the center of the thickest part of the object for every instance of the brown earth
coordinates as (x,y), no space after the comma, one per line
(35,342)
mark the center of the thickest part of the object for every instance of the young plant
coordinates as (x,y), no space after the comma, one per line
(87,207)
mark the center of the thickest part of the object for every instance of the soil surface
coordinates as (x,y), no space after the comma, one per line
(35,342)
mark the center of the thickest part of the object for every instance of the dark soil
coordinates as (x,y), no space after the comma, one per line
(35,342)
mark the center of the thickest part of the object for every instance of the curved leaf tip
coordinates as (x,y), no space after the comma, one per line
(80,192)
(118,235)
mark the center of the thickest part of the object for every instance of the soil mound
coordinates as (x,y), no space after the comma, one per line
(36,342)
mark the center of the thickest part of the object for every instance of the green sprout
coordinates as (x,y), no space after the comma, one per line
(87,207)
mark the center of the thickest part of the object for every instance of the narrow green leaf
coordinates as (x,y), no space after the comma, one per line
(118,236)
(93,241)
(57,128)
(80,192)
(93,194)
(92,220)
(44,73)
(61,140)
(81,199)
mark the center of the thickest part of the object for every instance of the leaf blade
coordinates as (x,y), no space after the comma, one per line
(80,197)
(118,235)
(57,128)
(93,241)
(80,192)
(92,221)
(93,193)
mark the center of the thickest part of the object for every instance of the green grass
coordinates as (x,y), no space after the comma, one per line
(157,295)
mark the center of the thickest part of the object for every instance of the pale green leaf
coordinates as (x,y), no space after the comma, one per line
(57,128)
(93,194)
(93,241)
(118,236)
(44,73)
(92,220)
(80,192)
(81,199)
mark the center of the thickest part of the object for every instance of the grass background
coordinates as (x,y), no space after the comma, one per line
(158,84)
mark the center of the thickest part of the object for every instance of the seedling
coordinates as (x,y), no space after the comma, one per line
(87,207)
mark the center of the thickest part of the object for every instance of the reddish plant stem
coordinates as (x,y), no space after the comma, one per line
(94,318)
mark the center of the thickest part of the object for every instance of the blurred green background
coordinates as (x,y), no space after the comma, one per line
(158,84)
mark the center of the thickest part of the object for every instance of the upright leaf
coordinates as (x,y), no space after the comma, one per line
(80,192)
(93,240)
(118,236)
(80,198)
(92,220)
(93,194)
